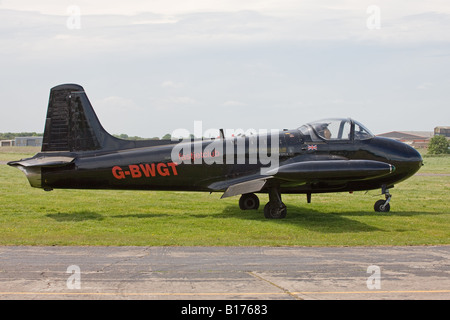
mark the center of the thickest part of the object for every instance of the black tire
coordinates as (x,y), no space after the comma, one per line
(249,201)
(274,212)
(380,207)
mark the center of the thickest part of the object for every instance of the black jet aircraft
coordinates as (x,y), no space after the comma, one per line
(335,155)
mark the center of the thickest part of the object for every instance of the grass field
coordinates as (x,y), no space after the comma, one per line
(420,215)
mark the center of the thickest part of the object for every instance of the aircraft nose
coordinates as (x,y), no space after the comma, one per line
(415,156)
(405,157)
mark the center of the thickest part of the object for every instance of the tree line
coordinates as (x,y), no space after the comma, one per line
(437,145)
(126,137)
(13,135)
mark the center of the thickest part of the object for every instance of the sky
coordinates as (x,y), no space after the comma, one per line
(152,67)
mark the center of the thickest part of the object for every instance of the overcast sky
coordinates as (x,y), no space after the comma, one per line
(150,67)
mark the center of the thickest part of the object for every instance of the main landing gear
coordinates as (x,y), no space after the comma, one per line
(383,205)
(249,201)
(274,209)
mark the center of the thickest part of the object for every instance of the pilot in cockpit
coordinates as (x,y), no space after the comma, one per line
(323,131)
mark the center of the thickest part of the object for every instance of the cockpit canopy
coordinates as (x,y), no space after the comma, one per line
(335,130)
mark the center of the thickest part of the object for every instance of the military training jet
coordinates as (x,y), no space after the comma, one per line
(333,155)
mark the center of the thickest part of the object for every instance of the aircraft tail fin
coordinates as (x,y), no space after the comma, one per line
(71,123)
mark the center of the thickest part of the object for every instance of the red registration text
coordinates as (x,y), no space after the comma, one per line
(146,170)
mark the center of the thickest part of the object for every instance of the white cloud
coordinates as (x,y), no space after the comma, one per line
(171,84)
(179,100)
(166,7)
(197,57)
(117,103)
(233,103)
(159,20)
(160,26)
(425,85)
(113,107)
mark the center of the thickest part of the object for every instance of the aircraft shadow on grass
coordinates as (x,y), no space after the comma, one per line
(298,216)
(307,218)
(142,215)
(75,216)
(90,215)
(318,221)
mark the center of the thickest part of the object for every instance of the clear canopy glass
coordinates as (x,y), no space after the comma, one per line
(335,130)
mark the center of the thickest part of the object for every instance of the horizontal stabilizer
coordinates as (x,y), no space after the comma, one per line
(43,162)
(32,167)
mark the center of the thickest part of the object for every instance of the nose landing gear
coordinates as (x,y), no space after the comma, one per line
(383,205)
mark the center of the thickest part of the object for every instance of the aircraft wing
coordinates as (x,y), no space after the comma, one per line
(234,187)
(304,172)
(245,187)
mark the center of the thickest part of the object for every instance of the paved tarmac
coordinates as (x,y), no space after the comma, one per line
(205,273)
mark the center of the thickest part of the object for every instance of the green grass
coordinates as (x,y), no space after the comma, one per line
(420,215)
(436,164)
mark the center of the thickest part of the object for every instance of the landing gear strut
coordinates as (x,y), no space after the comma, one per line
(275,208)
(383,205)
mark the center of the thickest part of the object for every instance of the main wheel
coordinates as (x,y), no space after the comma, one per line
(274,212)
(380,207)
(249,201)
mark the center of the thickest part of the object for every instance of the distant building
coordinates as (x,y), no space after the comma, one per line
(28,141)
(442,131)
(7,143)
(417,139)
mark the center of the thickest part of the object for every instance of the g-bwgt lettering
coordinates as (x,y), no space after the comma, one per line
(146,170)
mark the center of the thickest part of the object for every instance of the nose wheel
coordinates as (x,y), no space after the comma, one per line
(383,205)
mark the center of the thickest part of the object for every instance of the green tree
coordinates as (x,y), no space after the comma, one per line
(438,145)
(12,135)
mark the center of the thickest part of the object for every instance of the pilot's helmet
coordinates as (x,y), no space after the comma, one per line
(320,127)
(323,131)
